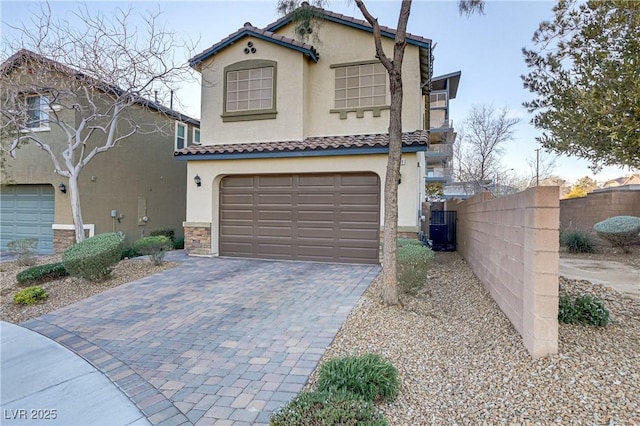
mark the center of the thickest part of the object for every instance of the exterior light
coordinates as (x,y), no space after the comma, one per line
(399,179)
(63,188)
(197,180)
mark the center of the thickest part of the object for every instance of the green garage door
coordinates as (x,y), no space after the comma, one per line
(27,211)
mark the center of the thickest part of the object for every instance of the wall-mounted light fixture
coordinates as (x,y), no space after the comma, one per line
(197,180)
(63,188)
(399,179)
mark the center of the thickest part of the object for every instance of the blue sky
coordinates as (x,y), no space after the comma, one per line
(486,48)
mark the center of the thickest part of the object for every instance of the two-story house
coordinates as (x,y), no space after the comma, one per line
(134,188)
(294,146)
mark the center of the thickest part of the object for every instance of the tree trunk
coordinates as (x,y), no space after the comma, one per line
(76,211)
(389,259)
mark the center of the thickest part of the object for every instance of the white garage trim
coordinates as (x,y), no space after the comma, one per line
(91,227)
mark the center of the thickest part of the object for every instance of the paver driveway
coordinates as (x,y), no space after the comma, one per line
(212,341)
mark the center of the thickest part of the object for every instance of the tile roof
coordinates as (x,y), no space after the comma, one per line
(348,20)
(418,138)
(249,29)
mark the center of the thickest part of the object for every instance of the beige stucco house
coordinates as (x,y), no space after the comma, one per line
(134,188)
(294,142)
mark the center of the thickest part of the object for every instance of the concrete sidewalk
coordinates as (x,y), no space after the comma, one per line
(619,276)
(37,371)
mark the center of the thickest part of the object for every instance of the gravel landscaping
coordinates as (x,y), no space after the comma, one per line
(462,362)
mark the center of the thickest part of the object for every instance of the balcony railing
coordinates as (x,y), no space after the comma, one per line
(441,124)
(437,175)
(440,148)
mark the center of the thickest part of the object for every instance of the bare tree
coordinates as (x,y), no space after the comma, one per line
(393,65)
(84,77)
(478,151)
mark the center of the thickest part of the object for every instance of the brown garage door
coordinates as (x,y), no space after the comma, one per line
(319,217)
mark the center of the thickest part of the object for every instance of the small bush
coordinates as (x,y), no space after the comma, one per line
(327,409)
(24,249)
(413,263)
(41,273)
(178,243)
(370,377)
(93,258)
(584,309)
(578,241)
(30,296)
(155,247)
(619,231)
(129,252)
(169,233)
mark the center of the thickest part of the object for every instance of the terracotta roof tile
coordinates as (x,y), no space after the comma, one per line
(315,143)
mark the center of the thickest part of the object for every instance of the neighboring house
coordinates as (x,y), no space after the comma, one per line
(294,143)
(441,133)
(135,187)
(633,179)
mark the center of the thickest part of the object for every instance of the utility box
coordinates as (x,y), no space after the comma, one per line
(442,230)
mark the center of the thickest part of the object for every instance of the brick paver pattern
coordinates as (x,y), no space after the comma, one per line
(213,341)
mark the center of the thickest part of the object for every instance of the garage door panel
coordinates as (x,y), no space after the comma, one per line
(237,214)
(27,211)
(302,217)
(238,182)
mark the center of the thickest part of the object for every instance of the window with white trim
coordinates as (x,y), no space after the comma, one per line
(359,86)
(250,89)
(37,111)
(181,136)
(196,136)
(438,100)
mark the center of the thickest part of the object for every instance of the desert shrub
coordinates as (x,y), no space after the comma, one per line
(577,241)
(129,252)
(178,243)
(155,247)
(584,309)
(619,231)
(370,377)
(23,249)
(169,233)
(327,409)
(413,262)
(94,257)
(30,296)
(41,273)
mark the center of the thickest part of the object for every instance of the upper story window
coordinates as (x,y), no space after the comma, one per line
(181,136)
(196,136)
(37,111)
(438,100)
(250,91)
(358,86)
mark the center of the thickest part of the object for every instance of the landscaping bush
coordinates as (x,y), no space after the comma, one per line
(23,249)
(155,247)
(41,273)
(369,376)
(413,262)
(129,252)
(169,233)
(578,241)
(178,243)
(327,409)
(94,258)
(584,309)
(30,296)
(619,231)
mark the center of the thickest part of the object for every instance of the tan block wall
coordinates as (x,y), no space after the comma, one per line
(197,238)
(65,238)
(583,213)
(511,243)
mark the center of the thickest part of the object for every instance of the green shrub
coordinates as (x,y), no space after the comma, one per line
(413,263)
(155,247)
(94,258)
(178,243)
(23,249)
(30,296)
(327,409)
(41,273)
(584,309)
(129,252)
(370,377)
(169,233)
(619,231)
(578,241)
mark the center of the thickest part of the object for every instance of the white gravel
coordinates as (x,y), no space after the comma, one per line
(463,363)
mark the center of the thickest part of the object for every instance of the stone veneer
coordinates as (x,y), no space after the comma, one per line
(197,238)
(65,238)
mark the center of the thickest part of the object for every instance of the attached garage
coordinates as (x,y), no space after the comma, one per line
(314,217)
(27,211)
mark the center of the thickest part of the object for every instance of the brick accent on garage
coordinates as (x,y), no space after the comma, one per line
(65,238)
(197,238)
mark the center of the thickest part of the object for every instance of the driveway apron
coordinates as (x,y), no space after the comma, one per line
(214,340)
